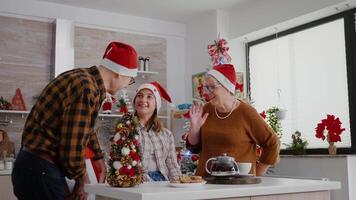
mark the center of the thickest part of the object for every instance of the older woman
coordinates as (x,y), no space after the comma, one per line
(228,125)
(157,147)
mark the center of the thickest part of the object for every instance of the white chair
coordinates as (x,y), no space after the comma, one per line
(91,175)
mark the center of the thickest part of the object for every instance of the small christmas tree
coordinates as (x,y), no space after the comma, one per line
(124,103)
(125,169)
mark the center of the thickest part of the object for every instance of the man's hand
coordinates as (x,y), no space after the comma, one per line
(78,190)
(100,164)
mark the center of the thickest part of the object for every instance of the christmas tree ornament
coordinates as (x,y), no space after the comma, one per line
(17,101)
(124,104)
(125,169)
(107,104)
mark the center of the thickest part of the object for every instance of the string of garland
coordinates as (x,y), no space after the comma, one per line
(273,121)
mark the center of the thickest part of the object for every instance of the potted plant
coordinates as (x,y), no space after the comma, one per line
(330,129)
(298,145)
(273,121)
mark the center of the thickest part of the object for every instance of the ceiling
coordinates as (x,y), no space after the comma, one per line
(168,10)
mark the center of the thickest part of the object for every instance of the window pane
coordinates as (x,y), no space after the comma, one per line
(305,73)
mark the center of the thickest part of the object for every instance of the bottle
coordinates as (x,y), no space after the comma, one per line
(9,162)
(2,164)
(2,160)
(147,64)
(141,63)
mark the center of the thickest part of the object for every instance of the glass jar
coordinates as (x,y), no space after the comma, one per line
(9,162)
(2,164)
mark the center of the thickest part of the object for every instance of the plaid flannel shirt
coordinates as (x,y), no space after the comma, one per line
(61,122)
(164,151)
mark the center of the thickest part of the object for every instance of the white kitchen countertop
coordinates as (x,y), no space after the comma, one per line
(161,190)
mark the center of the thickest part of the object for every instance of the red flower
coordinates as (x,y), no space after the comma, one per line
(131,172)
(134,156)
(194,158)
(263,114)
(179,157)
(333,126)
(123,170)
(136,142)
(119,141)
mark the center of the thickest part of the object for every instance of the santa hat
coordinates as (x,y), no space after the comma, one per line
(120,58)
(158,91)
(226,75)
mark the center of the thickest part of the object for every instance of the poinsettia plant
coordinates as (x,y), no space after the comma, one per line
(330,129)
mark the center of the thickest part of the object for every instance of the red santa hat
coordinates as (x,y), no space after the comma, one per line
(158,91)
(120,58)
(225,74)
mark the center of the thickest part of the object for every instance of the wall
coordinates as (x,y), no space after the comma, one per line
(262,14)
(174,33)
(66,18)
(201,31)
(264,17)
(25,61)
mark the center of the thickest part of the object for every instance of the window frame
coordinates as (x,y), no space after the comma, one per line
(349,17)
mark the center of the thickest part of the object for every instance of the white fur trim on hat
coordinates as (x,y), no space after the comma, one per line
(222,80)
(117,68)
(154,91)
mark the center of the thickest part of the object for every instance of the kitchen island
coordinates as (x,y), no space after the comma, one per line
(271,188)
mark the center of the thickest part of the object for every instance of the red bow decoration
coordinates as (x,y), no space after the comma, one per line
(218,51)
(263,114)
(239,87)
(333,126)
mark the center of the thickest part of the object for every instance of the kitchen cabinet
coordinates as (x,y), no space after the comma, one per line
(6,192)
(271,188)
(336,168)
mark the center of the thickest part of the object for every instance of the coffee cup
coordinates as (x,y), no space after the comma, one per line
(244,167)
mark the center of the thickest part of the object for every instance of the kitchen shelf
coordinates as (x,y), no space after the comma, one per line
(15,111)
(100,115)
(120,115)
(146,74)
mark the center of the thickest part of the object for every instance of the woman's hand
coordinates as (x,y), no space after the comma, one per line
(196,122)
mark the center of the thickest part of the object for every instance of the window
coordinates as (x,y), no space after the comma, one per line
(308,70)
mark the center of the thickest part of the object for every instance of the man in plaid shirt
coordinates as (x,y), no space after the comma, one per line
(61,125)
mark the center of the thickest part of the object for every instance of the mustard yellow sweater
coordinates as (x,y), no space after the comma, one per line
(237,136)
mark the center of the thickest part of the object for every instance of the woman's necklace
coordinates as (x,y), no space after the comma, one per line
(224,117)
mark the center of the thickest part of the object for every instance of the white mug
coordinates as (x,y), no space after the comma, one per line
(244,167)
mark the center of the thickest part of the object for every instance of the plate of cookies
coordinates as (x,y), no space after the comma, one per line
(187,181)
